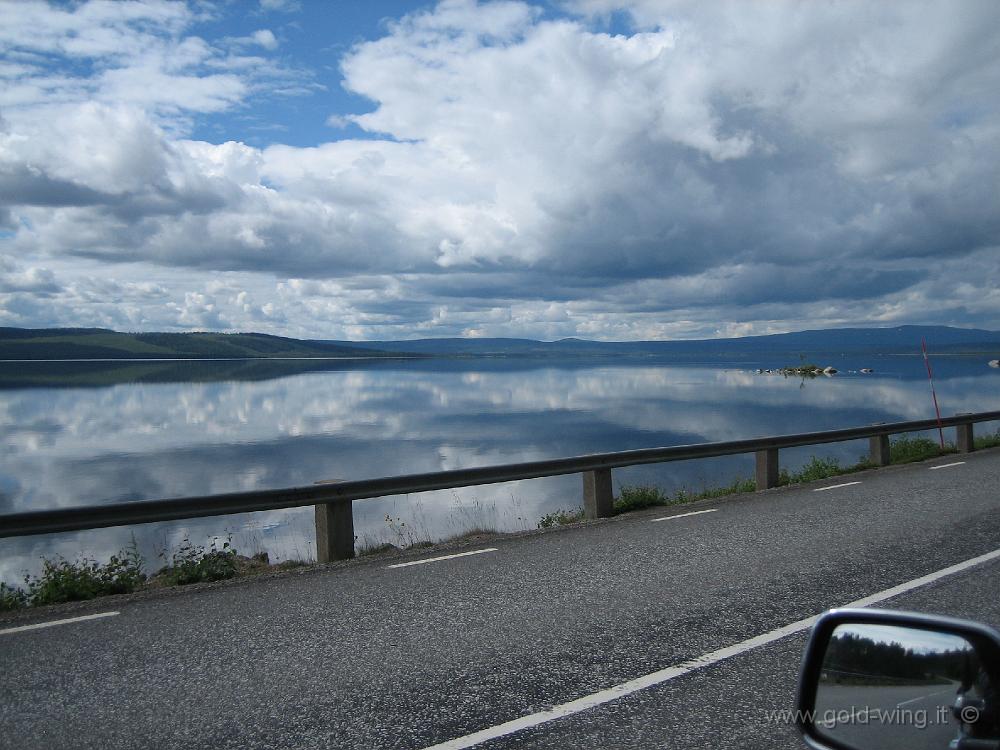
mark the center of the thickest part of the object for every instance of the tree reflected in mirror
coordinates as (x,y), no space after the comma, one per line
(893,687)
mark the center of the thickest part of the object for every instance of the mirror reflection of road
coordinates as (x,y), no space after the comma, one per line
(907,717)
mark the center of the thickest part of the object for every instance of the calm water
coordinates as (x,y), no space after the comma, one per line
(102,433)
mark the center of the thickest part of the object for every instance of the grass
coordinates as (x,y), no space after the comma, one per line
(370,548)
(905,450)
(367,550)
(12,597)
(633,498)
(468,520)
(560,518)
(475,531)
(192,563)
(65,581)
(738,486)
(816,469)
(637,498)
(987,441)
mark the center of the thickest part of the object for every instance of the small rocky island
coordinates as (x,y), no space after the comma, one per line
(809,371)
(802,371)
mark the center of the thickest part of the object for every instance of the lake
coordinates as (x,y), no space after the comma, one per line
(86,433)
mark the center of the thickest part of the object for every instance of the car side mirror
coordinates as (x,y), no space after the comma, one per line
(879,680)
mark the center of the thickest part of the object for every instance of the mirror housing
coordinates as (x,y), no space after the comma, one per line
(914,640)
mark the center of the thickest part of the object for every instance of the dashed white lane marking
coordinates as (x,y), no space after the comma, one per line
(947,466)
(683,515)
(665,675)
(443,557)
(835,486)
(53,623)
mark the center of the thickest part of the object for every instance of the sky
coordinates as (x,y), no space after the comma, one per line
(392,169)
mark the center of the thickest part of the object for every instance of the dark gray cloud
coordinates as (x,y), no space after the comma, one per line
(27,187)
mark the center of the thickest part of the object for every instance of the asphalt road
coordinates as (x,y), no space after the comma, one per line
(362,655)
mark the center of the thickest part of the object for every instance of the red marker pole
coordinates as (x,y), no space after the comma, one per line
(930,378)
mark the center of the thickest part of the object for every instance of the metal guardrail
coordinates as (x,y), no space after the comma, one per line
(334,518)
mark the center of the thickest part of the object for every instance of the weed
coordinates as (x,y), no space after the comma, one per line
(817,468)
(12,597)
(905,450)
(738,486)
(560,518)
(472,533)
(64,581)
(290,564)
(987,441)
(405,536)
(366,550)
(191,563)
(685,496)
(637,498)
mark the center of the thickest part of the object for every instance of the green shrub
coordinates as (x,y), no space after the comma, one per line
(637,498)
(192,563)
(64,581)
(738,486)
(904,450)
(12,597)
(987,441)
(560,518)
(817,468)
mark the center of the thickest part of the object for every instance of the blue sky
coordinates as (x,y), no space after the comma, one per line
(312,36)
(610,169)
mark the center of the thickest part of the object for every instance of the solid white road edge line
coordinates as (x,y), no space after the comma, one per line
(856,714)
(443,557)
(947,466)
(835,486)
(53,623)
(682,515)
(670,673)
(947,690)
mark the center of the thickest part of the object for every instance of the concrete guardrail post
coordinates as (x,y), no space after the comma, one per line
(767,468)
(334,531)
(878,449)
(963,436)
(598,496)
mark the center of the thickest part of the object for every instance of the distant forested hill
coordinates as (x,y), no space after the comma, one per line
(898,340)
(100,343)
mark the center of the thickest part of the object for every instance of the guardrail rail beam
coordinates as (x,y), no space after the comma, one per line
(334,517)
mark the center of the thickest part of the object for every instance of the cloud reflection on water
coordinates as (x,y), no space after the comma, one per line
(126,441)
